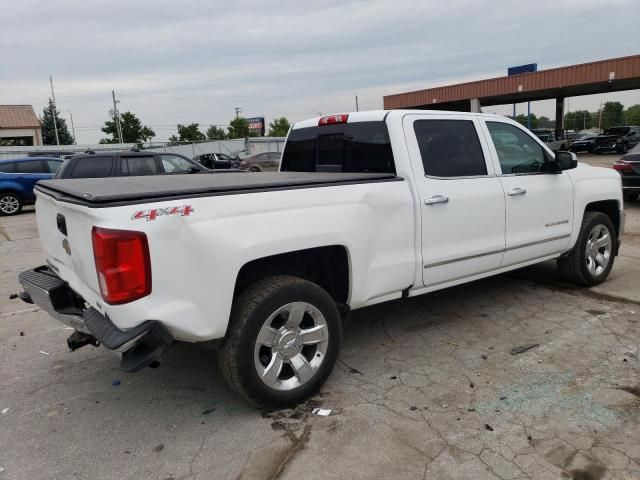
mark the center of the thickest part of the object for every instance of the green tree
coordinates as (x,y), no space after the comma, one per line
(215,133)
(612,115)
(632,115)
(279,127)
(238,128)
(48,129)
(132,130)
(578,120)
(546,122)
(522,119)
(188,133)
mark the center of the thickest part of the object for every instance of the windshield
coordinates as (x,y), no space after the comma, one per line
(617,131)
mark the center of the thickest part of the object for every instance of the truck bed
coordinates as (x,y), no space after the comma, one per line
(117,191)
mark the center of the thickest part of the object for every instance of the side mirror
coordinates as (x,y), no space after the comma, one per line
(565,161)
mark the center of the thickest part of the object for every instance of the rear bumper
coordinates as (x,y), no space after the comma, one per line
(140,346)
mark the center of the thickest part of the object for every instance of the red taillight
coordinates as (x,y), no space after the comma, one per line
(123,264)
(333,119)
(622,166)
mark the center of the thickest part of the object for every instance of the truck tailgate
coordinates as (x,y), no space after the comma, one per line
(65,236)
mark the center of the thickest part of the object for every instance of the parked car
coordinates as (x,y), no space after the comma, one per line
(619,139)
(215,160)
(127,163)
(549,137)
(17,178)
(368,207)
(629,168)
(583,143)
(260,162)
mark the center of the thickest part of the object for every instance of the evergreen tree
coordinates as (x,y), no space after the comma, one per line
(48,129)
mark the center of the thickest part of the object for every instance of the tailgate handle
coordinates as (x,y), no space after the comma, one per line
(62,224)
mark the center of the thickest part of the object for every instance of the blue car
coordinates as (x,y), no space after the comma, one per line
(17,178)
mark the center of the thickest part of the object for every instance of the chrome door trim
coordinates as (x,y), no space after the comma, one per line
(492,269)
(493,252)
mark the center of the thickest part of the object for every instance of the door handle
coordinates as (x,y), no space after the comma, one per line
(517,191)
(436,199)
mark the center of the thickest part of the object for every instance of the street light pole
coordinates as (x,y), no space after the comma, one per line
(73,129)
(52,107)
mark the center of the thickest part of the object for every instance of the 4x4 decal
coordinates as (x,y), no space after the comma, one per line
(153,213)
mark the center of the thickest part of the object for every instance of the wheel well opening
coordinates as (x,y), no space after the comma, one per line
(328,267)
(610,208)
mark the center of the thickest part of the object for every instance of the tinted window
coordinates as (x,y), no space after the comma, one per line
(347,147)
(139,166)
(450,148)
(53,165)
(34,166)
(175,164)
(92,167)
(6,167)
(517,151)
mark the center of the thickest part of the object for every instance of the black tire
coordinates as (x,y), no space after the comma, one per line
(254,169)
(10,204)
(630,196)
(624,149)
(253,307)
(573,267)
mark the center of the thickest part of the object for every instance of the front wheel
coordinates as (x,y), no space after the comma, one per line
(282,342)
(591,259)
(10,204)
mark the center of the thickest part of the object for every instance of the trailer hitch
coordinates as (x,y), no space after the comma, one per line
(78,340)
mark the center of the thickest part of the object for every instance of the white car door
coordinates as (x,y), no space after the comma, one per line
(461,200)
(539,205)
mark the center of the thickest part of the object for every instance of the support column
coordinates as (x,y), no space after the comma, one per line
(559,115)
(474,105)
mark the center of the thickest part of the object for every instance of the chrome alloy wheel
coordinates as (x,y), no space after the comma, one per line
(9,204)
(291,346)
(598,251)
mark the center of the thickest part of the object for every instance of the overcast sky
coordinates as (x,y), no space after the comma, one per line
(194,61)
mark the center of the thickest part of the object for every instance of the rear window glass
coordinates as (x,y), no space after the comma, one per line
(347,147)
(92,167)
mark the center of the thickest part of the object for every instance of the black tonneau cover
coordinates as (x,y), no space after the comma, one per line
(115,191)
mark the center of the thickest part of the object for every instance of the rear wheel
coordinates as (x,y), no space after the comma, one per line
(254,169)
(591,259)
(282,343)
(623,148)
(10,203)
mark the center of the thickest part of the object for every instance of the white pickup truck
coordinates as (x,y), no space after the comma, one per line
(367,207)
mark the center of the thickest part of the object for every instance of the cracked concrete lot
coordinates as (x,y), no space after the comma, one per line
(425,388)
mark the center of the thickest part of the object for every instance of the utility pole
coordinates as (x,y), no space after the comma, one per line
(238,110)
(357,103)
(600,119)
(73,129)
(52,107)
(116,116)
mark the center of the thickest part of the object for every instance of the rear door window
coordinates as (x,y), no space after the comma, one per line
(346,147)
(139,166)
(92,167)
(32,166)
(6,167)
(450,148)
